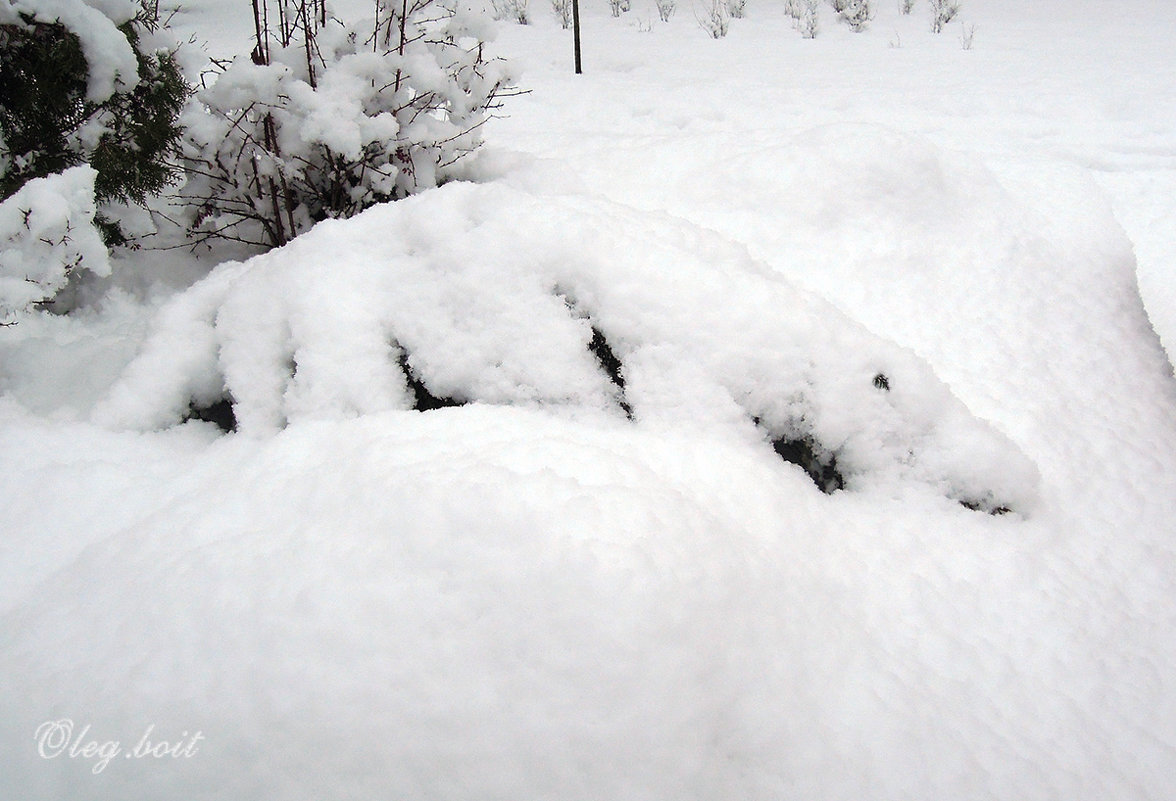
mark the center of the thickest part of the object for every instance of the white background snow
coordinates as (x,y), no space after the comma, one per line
(533,597)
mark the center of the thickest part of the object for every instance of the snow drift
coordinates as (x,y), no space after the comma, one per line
(492,295)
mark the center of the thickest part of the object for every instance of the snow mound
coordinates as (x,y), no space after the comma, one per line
(489,294)
(481,602)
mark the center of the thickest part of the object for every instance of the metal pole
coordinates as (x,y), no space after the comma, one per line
(576,32)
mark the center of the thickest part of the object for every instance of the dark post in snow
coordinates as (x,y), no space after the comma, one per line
(576,32)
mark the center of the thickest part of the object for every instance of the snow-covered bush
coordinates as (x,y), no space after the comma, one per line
(905,6)
(89,82)
(665,9)
(714,18)
(513,10)
(618,7)
(808,23)
(47,233)
(563,12)
(804,16)
(967,35)
(737,8)
(943,12)
(325,118)
(481,293)
(854,13)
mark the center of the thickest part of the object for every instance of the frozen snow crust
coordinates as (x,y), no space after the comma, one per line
(491,294)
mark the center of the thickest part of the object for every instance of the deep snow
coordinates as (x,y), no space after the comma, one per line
(533,597)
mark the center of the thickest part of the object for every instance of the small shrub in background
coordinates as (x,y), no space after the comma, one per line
(513,11)
(665,9)
(563,12)
(967,35)
(854,13)
(943,12)
(714,18)
(809,22)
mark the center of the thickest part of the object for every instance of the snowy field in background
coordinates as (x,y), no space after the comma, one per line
(532,596)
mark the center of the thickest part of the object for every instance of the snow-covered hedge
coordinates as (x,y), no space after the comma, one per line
(488,294)
(331,118)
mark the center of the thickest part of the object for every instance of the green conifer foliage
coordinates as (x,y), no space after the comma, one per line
(47,125)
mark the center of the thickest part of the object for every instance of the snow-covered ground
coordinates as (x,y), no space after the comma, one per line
(535,596)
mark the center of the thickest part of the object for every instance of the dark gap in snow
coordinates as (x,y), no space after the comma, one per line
(803,452)
(612,367)
(423,399)
(818,462)
(600,348)
(984,506)
(219,414)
